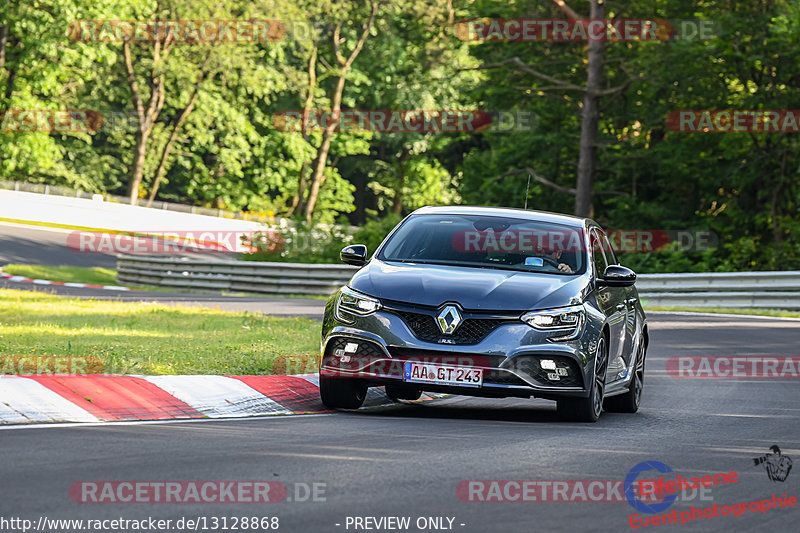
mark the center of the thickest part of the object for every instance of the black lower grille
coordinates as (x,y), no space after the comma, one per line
(499,377)
(566,374)
(365,348)
(338,358)
(445,358)
(470,331)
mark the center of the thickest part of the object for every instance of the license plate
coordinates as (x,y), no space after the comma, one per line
(443,375)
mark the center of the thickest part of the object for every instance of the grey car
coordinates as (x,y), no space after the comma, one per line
(488,302)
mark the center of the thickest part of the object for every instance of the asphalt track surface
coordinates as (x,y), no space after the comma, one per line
(45,246)
(406,460)
(38,246)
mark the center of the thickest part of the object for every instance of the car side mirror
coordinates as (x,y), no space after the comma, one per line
(617,276)
(355,254)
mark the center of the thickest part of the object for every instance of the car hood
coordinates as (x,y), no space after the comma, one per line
(472,288)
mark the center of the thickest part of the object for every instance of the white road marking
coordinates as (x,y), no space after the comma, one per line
(218,396)
(26,400)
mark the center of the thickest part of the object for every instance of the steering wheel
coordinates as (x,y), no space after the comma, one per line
(550,260)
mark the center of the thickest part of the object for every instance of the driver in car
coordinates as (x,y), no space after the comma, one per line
(555,256)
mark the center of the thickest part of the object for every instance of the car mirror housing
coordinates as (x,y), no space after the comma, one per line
(617,276)
(355,254)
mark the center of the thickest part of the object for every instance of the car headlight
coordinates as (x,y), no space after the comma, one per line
(566,320)
(354,303)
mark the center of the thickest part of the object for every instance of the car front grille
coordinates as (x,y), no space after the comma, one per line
(470,331)
(445,358)
(499,377)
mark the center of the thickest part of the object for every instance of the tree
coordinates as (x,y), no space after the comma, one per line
(344,61)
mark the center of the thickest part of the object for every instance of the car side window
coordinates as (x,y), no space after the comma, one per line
(598,257)
(611,255)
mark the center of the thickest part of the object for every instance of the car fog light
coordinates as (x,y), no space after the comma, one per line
(552,376)
(351,347)
(548,364)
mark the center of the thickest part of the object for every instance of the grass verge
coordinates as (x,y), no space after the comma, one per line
(67,274)
(729,311)
(148,338)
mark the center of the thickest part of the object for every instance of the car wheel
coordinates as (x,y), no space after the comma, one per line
(341,393)
(629,402)
(402,392)
(588,409)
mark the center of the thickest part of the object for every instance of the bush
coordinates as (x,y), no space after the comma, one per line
(373,232)
(301,243)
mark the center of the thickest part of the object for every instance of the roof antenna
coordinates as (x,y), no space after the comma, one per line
(527,189)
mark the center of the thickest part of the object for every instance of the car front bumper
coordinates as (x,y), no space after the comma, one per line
(376,348)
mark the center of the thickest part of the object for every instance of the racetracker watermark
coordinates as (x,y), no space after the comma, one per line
(169,492)
(583,30)
(534,241)
(38,365)
(50,120)
(149,523)
(562,490)
(409,121)
(734,121)
(732,367)
(178,31)
(172,242)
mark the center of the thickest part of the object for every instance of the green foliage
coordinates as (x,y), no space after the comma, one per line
(375,231)
(304,243)
(301,243)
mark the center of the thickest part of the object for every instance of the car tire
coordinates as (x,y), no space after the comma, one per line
(629,402)
(588,409)
(402,392)
(342,393)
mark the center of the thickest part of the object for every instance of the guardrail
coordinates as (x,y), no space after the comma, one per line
(237,276)
(778,290)
(767,290)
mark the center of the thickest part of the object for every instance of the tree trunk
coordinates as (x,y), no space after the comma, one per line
(296,204)
(318,176)
(587,158)
(147,117)
(3,41)
(12,74)
(397,201)
(162,165)
(137,167)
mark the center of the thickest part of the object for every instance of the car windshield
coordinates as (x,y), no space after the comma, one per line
(488,242)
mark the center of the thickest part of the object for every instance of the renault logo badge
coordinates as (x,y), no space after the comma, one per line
(449,319)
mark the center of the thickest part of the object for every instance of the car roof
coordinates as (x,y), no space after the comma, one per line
(528,214)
